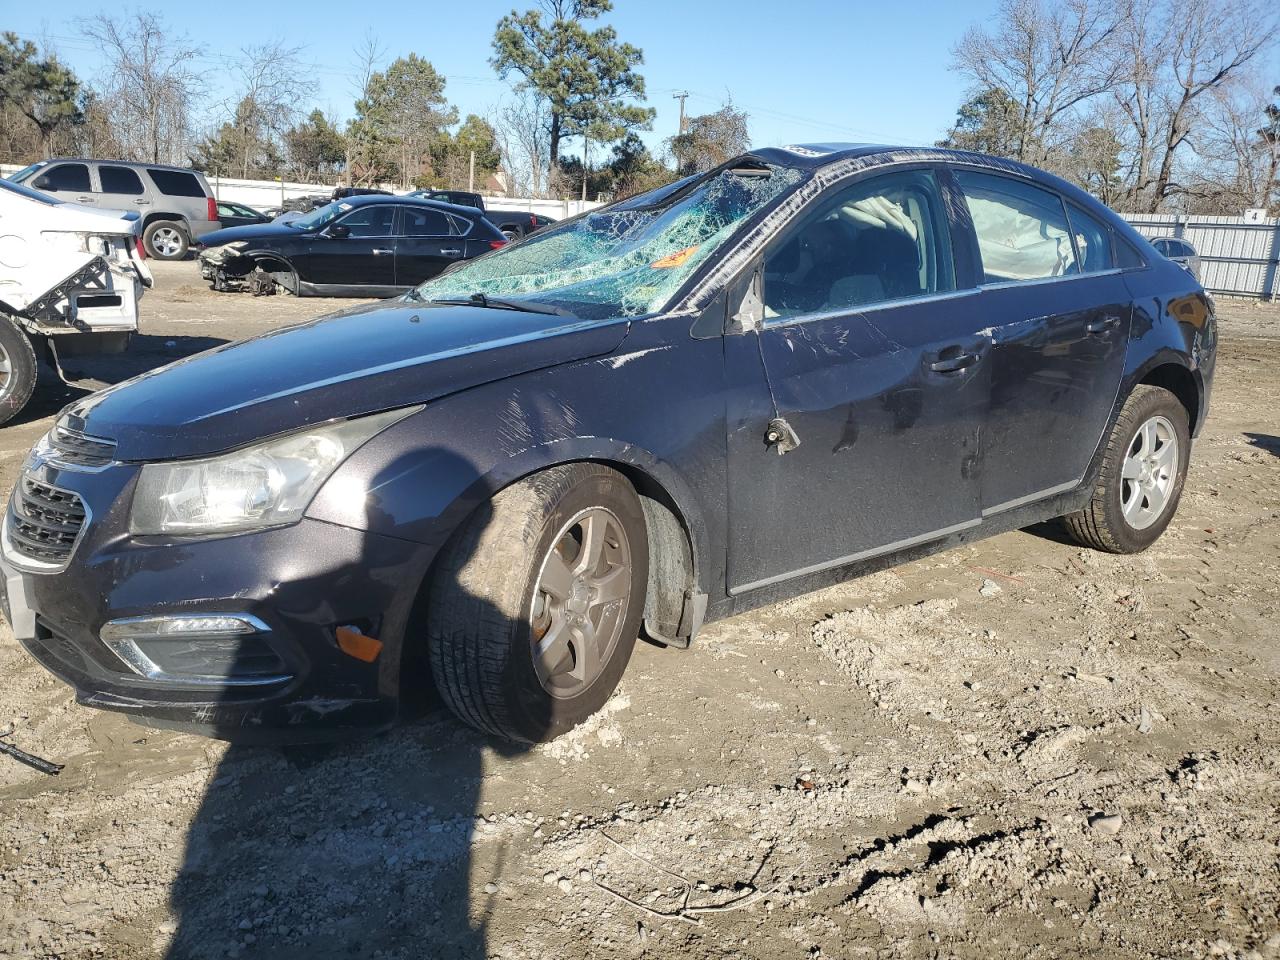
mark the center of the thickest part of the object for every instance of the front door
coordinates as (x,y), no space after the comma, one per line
(1060,315)
(878,366)
(364,256)
(425,246)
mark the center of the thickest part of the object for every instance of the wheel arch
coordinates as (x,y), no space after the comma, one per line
(1180,380)
(155,215)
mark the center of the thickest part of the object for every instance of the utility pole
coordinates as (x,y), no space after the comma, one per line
(682,96)
(584,166)
(471,176)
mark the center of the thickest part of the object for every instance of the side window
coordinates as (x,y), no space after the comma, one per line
(370,221)
(119,180)
(66,178)
(1022,230)
(461,225)
(424,223)
(1093,241)
(881,240)
(176,183)
(1127,256)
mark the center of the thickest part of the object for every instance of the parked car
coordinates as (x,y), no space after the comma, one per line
(1179,251)
(365,246)
(175,204)
(803,365)
(514,224)
(70,281)
(239,215)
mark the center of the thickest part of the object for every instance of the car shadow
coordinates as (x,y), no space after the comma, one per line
(357,849)
(1264,441)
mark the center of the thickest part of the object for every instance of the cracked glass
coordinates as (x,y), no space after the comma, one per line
(625,260)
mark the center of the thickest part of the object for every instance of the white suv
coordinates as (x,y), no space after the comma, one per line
(66,271)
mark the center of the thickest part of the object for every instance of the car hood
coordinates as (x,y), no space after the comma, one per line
(364,360)
(250,232)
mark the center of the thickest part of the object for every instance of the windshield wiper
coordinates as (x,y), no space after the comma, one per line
(484,300)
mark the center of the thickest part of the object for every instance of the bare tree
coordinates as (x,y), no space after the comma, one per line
(1239,160)
(1210,44)
(522,126)
(368,56)
(272,88)
(1048,57)
(151,79)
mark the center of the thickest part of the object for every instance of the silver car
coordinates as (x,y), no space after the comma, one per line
(176,204)
(1179,251)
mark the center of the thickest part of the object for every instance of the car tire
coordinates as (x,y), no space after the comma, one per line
(1140,482)
(499,594)
(166,240)
(511,235)
(18,369)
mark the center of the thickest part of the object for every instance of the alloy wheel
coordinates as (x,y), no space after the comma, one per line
(580,602)
(166,241)
(1149,473)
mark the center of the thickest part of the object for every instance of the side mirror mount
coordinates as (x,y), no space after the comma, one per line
(338,232)
(43,183)
(746,304)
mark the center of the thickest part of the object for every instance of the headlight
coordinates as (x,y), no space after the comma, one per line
(236,245)
(269,484)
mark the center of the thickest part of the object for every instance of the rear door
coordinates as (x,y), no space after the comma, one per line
(120,188)
(1059,315)
(427,242)
(365,256)
(871,357)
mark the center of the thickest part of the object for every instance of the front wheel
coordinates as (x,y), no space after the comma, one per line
(18,369)
(536,602)
(1140,483)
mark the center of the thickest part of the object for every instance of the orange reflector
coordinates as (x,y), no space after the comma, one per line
(675,259)
(355,644)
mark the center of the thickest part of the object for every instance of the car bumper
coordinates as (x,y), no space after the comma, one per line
(297,584)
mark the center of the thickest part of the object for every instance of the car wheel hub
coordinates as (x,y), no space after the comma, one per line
(1149,472)
(580,601)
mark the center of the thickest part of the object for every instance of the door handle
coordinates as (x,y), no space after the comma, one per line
(451,252)
(1102,325)
(143,203)
(85,200)
(955,363)
(382,251)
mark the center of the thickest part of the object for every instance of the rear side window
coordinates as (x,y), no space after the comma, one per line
(176,183)
(1127,256)
(1093,241)
(881,240)
(1022,230)
(65,177)
(424,223)
(119,180)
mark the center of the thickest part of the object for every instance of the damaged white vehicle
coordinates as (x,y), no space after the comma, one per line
(70,281)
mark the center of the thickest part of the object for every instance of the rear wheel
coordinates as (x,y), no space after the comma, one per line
(536,603)
(1143,470)
(166,240)
(18,369)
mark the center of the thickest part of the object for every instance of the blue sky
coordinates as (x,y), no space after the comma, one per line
(803,70)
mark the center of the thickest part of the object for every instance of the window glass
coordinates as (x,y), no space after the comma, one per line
(1021,229)
(370,221)
(66,176)
(176,183)
(119,180)
(1093,241)
(882,240)
(1127,256)
(424,223)
(1185,249)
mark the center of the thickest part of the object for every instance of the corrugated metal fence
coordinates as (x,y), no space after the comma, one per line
(1237,257)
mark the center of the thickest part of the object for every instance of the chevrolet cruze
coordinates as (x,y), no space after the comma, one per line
(805,364)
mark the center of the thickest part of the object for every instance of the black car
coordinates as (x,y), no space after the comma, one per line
(514,224)
(370,245)
(804,365)
(238,215)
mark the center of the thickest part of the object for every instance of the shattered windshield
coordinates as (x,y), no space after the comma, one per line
(320,216)
(625,260)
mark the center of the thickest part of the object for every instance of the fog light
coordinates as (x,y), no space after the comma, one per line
(202,649)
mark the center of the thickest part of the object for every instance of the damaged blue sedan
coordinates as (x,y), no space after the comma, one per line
(804,365)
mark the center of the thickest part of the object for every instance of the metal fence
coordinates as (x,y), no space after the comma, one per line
(1237,257)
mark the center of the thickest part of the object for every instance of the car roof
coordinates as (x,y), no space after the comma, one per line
(119,163)
(364,200)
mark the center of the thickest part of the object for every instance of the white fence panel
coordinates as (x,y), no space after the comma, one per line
(1237,257)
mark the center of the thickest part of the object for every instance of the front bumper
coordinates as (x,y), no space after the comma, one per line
(300,583)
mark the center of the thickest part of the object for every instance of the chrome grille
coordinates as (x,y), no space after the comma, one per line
(44,522)
(73,448)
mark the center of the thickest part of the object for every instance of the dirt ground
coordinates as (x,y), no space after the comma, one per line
(1017,748)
